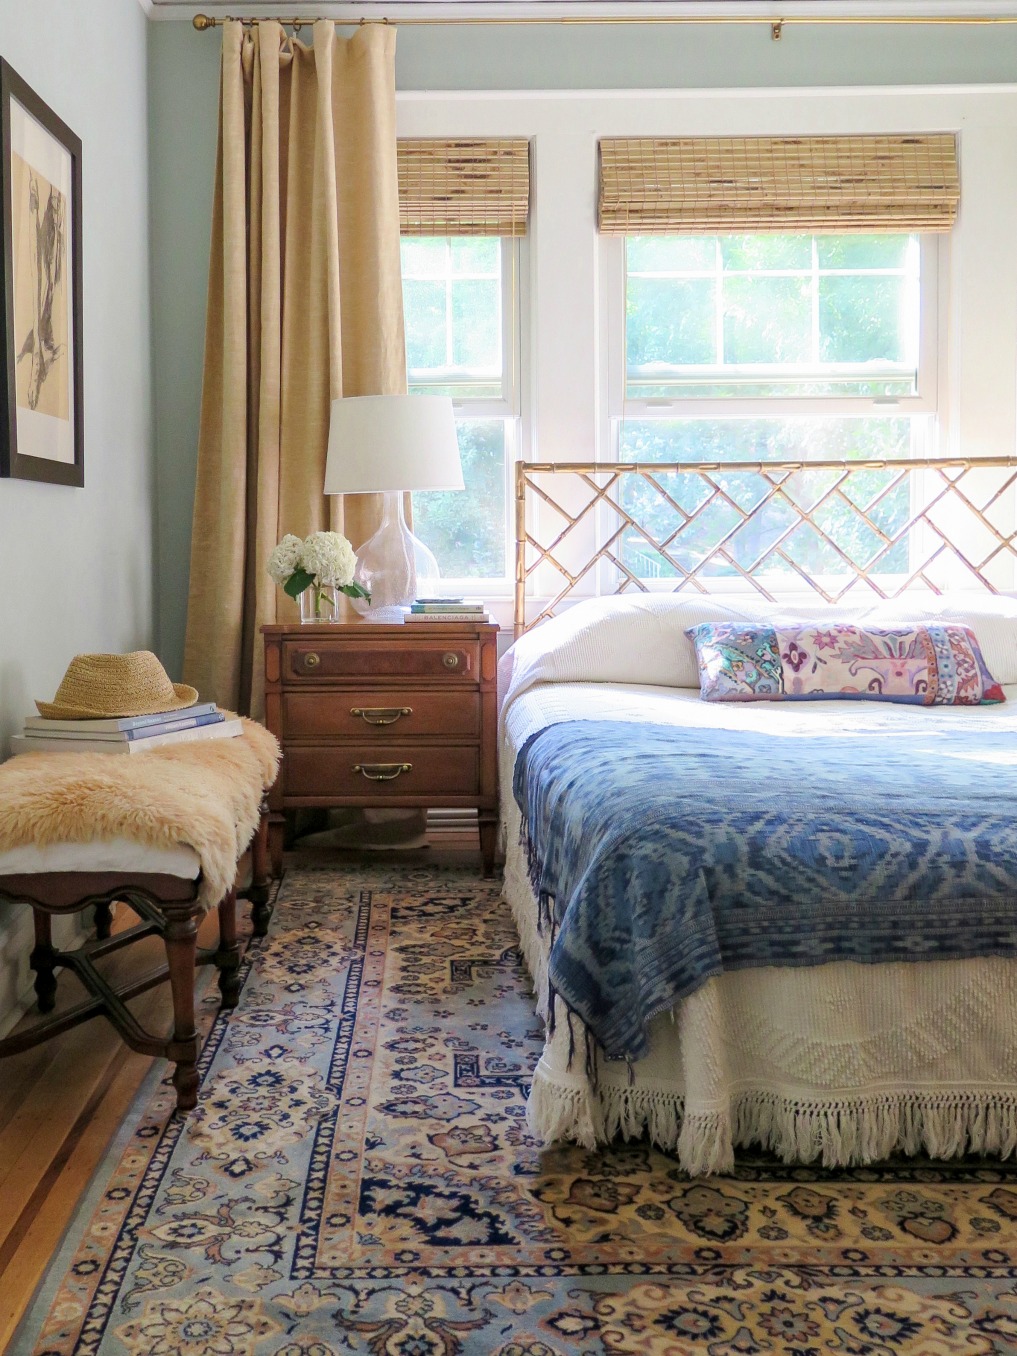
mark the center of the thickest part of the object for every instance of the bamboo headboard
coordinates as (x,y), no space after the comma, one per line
(838,530)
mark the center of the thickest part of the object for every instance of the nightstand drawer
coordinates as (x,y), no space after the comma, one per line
(323,658)
(382,713)
(366,771)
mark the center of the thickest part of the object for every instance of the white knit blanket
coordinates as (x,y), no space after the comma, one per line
(844,1062)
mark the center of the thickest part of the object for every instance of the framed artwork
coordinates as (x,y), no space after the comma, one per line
(41,432)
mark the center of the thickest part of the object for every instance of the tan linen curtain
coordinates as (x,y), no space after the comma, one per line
(304,304)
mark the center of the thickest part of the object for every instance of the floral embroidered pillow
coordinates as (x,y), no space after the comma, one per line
(924,665)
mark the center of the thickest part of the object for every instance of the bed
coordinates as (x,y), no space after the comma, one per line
(843,1061)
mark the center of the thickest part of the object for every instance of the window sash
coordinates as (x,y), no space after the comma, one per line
(493,586)
(617,405)
(507,404)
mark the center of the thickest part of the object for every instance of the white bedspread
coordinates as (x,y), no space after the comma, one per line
(844,1062)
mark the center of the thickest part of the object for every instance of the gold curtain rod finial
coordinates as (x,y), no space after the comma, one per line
(204,23)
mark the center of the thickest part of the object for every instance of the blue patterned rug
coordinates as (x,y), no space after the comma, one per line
(358,1177)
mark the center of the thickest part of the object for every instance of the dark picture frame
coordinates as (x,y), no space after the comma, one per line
(41,384)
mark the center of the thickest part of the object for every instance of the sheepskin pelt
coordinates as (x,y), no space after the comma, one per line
(204,795)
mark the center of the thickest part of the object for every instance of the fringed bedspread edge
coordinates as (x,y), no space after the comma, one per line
(839,1131)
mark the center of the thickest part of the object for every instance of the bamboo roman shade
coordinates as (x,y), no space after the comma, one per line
(472,187)
(702,185)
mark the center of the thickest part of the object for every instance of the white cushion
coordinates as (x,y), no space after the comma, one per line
(114,854)
(640,638)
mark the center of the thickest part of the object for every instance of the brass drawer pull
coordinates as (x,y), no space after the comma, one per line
(382,772)
(381,715)
(312,660)
(451,661)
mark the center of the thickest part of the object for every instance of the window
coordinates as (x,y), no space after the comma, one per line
(769,347)
(579,400)
(458,303)
(772,315)
(463,205)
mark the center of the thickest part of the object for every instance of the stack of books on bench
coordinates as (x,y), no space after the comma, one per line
(125,734)
(448,610)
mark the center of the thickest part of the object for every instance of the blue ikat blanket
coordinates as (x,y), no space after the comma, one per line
(662,855)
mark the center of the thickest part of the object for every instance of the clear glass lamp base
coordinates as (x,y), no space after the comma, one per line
(394,566)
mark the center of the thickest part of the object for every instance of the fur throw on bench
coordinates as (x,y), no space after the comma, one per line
(206,796)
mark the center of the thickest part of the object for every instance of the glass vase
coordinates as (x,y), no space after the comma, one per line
(319,604)
(394,566)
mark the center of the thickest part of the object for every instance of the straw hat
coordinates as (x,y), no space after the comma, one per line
(97,685)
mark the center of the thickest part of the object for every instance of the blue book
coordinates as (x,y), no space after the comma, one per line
(122,729)
(168,726)
(434,608)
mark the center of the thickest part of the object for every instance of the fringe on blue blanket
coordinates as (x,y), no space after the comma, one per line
(534,870)
(545,918)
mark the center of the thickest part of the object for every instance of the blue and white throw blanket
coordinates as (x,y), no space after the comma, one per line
(662,855)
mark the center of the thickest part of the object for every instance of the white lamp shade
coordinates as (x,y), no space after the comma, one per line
(379,444)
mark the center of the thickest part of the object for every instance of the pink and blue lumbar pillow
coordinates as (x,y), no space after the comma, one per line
(921,665)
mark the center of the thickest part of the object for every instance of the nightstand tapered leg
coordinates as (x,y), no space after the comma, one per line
(488,825)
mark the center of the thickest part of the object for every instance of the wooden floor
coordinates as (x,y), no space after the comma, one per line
(62,1103)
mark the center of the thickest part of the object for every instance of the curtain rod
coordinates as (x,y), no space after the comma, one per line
(204,22)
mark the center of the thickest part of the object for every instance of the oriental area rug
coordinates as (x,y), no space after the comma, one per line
(358,1177)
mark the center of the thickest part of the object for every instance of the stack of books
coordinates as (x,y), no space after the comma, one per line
(125,734)
(447,610)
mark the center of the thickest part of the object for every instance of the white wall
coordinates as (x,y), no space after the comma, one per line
(77,564)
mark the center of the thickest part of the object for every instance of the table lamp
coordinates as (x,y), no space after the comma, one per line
(388,444)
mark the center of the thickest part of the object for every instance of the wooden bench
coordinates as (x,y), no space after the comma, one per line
(169,885)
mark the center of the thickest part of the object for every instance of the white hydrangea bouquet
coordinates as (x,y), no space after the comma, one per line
(323,562)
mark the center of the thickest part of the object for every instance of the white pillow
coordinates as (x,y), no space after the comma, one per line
(641,638)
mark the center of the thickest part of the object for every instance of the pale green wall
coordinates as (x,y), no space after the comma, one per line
(77,563)
(699,57)
(183,76)
(184,80)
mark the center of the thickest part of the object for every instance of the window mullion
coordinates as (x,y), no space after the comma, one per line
(814,300)
(449,338)
(718,304)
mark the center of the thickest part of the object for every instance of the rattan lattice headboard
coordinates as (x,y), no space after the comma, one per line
(838,530)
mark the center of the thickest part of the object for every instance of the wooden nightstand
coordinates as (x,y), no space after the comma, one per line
(377,715)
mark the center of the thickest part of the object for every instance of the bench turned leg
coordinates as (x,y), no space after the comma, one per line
(261,878)
(42,962)
(103,919)
(181,938)
(227,956)
(276,835)
(261,912)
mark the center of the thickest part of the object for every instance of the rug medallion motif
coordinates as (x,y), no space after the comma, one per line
(358,1177)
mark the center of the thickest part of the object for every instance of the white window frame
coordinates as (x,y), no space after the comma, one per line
(506,408)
